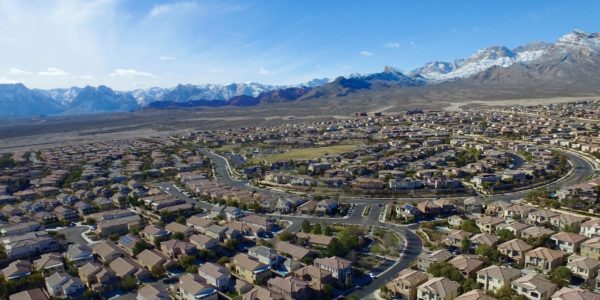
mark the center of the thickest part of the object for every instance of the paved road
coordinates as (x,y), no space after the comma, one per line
(73,234)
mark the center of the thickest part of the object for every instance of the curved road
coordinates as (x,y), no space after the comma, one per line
(582,171)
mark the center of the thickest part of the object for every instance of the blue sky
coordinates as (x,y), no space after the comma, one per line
(137,44)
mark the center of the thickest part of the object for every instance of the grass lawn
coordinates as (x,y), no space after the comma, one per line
(306,153)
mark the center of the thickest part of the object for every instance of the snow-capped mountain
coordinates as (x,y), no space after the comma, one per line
(482,60)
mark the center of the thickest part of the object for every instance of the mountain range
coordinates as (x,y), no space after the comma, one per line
(571,65)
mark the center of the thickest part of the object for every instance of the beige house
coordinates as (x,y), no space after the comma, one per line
(475,295)
(494,277)
(487,224)
(568,293)
(516,228)
(438,288)
(543,259)
(405,284)
(534,286)
(426,259)
(583,267)
(541,216)
(455,238)
(534,232)
(568,242)
(467,265)
(250,269)
(515,249)
(591,248)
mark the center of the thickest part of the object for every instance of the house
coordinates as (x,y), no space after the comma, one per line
(127,242)
(566,221)
(487,239)
(28,244)
(568,293)
(475,295)
(316,277)
(543,259)
(79,254)
(199,223)
(204,242)
(535,232)
(487,224)
(20,229)
(216,232)
(289,287)
(152,258)
(515,250)
(455,238)
(583,267)
(152,232)
(175,249)
(175,227)
(424,260)
(233,213)
(534,286)
(326,207)
(17,269)
(405,284)
(49,263)
(296,252)
(315,240)
(215,275)
(107,251)
(516,228)
(307,207)
(438,288)
(495,277)
(62,285)
(541,216)
(153,292)
(250,269)
(193,287)
(97,277)
(590,228)
(31,294)
(125,266)
(265,255)
(568,242)
(467,265)
(340,268)
(591,248)
(261,293)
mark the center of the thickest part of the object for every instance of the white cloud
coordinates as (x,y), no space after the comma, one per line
(51,71)
(263,71)
(15,71)
(365,53)
(216,71)
(167,57)
(130,73)
(392,45)
(163,9)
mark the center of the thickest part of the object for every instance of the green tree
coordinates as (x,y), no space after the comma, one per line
(490,254)
(505,235)
(560,276)
(139,247)
(179,236)
(469,226)
(327,230)
(306,228)
(128,283)
(317,229)
(186,261)
(158,270)
(157,241)
(181,220)
(444,269)
(287,236)
(336,248)
(223,260)
(507,293)
(464,245)
(469,284)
